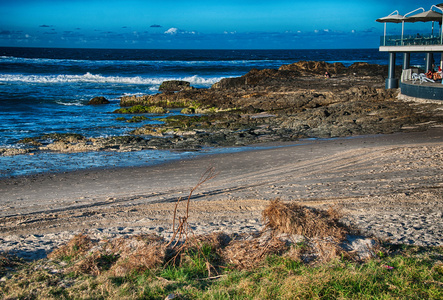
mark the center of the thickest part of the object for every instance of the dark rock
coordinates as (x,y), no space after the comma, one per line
(229,83)
(175,86)
(125,140)
(98,101)
(365,69)
(160,143)
(314,67)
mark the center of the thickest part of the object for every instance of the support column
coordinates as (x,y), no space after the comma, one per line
(391,81)
(406,60)
(429,61)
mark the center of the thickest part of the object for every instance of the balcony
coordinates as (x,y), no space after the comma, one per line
(410,40)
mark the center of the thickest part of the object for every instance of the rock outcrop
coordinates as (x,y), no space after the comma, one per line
(292,102)
(175,86)
(98,101)
(302,70)
(319,68)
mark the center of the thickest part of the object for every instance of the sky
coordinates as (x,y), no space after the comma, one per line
(227,24)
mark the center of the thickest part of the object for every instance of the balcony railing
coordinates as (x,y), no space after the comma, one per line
(410,40)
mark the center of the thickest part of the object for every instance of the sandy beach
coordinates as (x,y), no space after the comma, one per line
(390,186)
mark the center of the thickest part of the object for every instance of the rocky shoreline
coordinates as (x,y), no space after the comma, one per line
(296,101)
(390,186)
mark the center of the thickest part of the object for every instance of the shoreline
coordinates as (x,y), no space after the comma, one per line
(389,185)
(156,157)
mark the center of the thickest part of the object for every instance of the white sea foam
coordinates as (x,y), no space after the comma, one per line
(135,94)
(70,103)
(95,78)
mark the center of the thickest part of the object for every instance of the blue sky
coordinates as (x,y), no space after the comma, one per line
(199,24)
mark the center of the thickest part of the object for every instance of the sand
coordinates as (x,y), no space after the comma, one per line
(390,186)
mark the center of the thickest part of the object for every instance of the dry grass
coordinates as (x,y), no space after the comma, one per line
(92,264)
(76,247)
(215,240)
(8,262)
(321,251)
(139,254)
(293,218)
(320,231)
(122,256)
(248,254)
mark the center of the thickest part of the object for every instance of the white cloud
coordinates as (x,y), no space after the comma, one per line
(172,31)
(175,31)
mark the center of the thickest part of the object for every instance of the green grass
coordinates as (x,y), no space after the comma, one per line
(417,273)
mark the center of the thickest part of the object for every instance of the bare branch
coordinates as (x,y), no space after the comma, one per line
(183,226)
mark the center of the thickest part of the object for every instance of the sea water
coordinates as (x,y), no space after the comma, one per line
(44,90)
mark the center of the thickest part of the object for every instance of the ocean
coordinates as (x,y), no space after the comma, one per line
(46,90)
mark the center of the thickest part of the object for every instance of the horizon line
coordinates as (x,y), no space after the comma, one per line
(205,49)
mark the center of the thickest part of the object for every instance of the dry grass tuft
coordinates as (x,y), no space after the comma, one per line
(122,256)
(75,248)
(138,254)
(215,240)
(248,254)
(91,264)
(125,246)
(293,218)
(322,251)
(7,263)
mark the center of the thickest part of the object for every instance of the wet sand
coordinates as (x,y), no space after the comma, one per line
(390,186)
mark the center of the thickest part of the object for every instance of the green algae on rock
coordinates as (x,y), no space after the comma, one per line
(141,109)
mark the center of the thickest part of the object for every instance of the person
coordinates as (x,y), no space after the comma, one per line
(429,74)
(437,75)
(433,75)
(327,75)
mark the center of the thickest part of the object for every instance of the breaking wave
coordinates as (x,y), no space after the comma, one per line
(95,78)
